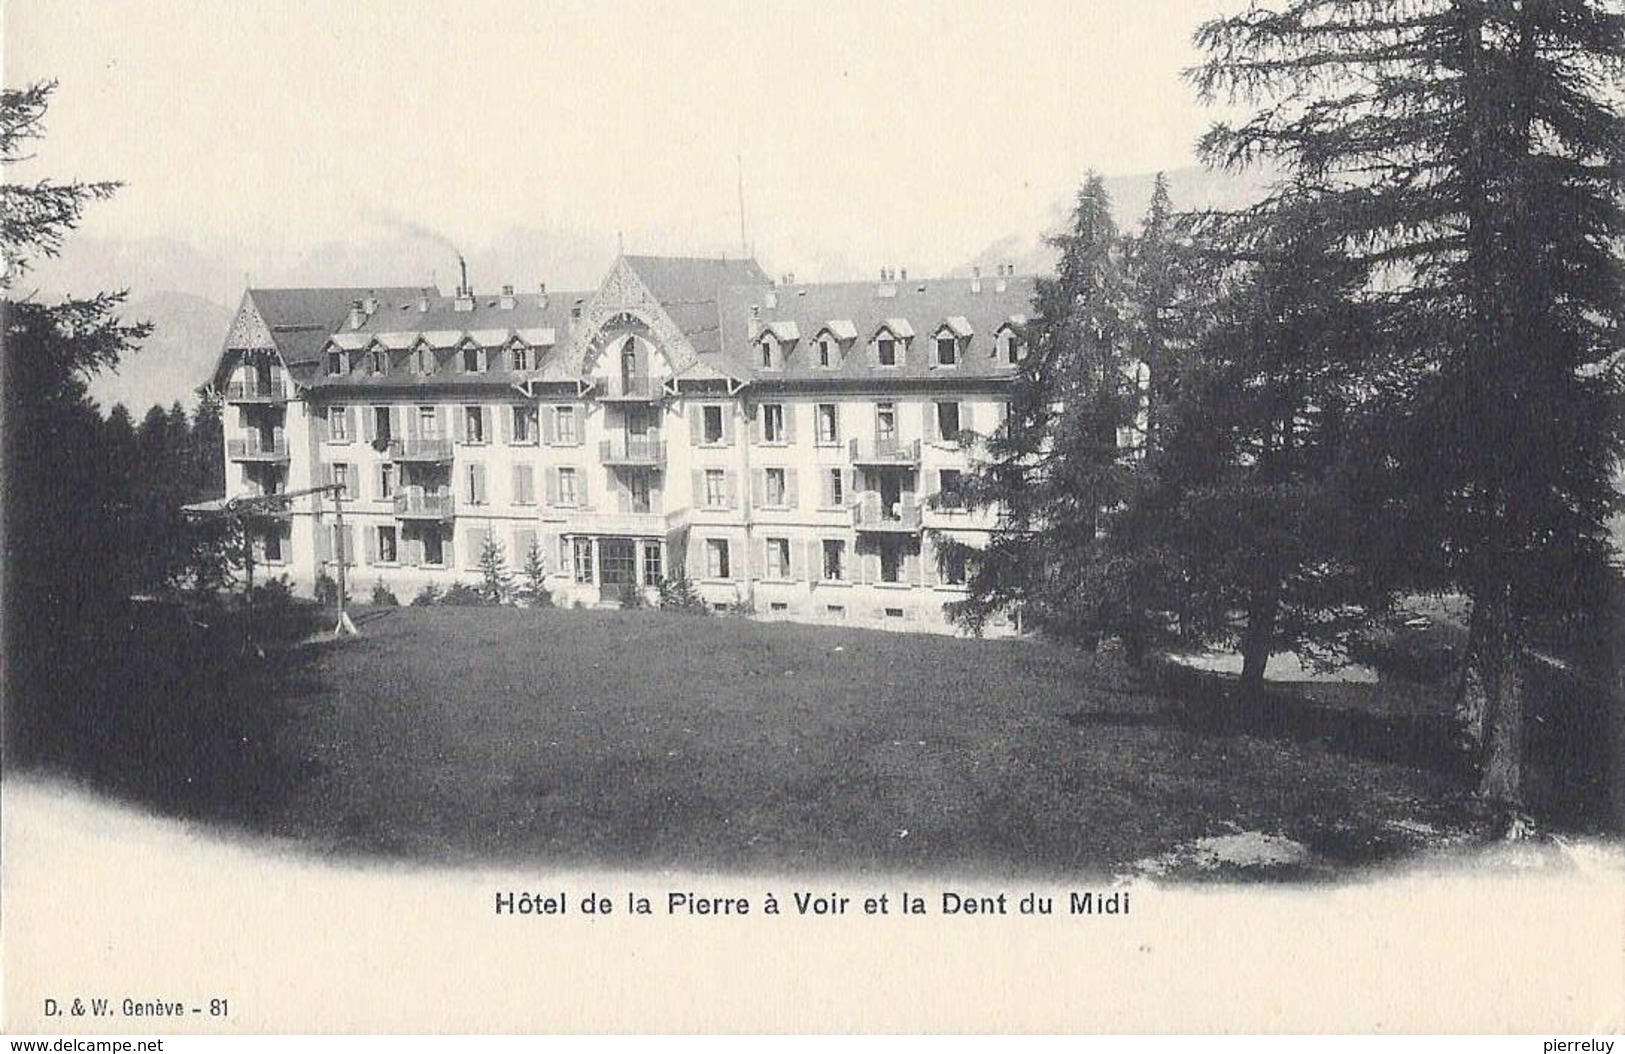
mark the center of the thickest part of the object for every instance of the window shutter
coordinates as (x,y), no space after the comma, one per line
(413,428)
(694,557)
(471,548)
(623,495)
(928,423)
(584,492)
(911,568)
(485,423)
(731,489)
(698,501)
(440,422)
(368,428)
(549,545)
(549,433)
(411,550)
(812,560)
(852,490)
(827,501)
(727,426)
(346,539)
(521,485)
(696,425)
(349,422)
(928,566)
(757,425)
(507,423)
(324,544)
(324,431)
(369,538)
(476,475)
(758,487)
(523,539)
(378,480)
(758,560)
(798,562)
(792,488)
(789,422)
(327,479)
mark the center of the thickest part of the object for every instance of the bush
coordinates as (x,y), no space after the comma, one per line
(744,607)
(327,589)
(678,594)
(275,593)
(383,596)
(428,595)
(631,596)
(463,595)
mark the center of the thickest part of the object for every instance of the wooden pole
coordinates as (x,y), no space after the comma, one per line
(344,627)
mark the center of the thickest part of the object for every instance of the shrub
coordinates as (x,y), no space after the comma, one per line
(678,594)
(327,589)
(429,594)
(463,595)
(275,593)
(631,596)
(383,596)
(744,607)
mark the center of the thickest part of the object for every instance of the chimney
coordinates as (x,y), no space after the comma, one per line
(358,314)
(999,284)
(886,288)
(506,301)
(772,299)
(754,322)
(423,301)
(902,276)
(465,293)
(541,296)
(976,279)
(370,305)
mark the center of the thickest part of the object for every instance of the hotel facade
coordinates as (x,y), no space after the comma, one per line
(778,443)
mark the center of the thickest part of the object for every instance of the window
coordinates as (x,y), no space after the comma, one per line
(426,361)
(886,421)
(567,486)
(653,572)
(381,427)
(473,361)
(826,352)
(894,612)
(335,363)
(1010,347)
(388,551)
(767,355)
(712,429)
(273,546)
(773,486)
(778,558)
(834,560)
(341,480)
(835,611)
(639,493)
(834,488)
(434,547)
(475,487)
(386,481)
(953,482)
(524,424)
(716,558)
(473,424)
(428,422)
(338,424)
(773,423)
(564,424)
(716,488)
(521,358)
(583,559)
(778,605)
(948,421)
(377,362)
(524,485)
(891,563)
(886,348)
(947,351)
(953,568)
(829,428)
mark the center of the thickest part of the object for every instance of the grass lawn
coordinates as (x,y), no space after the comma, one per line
(657,741)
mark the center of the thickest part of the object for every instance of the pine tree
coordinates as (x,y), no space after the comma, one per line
(1470,152)
(534,591)
(496,581)
(63,570)
(1058,462)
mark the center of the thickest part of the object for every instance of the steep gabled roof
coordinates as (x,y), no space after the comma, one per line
(694,279)
(299,322)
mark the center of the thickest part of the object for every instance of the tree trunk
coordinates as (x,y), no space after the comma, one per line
(1498,658)
(1257,643)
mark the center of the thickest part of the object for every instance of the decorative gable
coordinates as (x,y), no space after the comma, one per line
(624,294)
(249,331)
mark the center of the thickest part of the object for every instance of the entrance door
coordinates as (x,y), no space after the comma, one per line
(891,495)
(617,566)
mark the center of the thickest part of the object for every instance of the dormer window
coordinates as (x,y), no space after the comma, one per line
(521,358)
(377,362)
(335,363)
(886,350)
(826,353)
(767,350)
(947,350)
(473,360)
(1009,346)
(425,361)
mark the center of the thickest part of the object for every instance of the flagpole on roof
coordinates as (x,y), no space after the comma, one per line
(744,245)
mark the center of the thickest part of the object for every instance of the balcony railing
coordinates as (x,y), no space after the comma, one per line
(420,505)
(869,513)
(433,449)
(633,450)
(257,448)
(630,388)
(257,392)
(885,452)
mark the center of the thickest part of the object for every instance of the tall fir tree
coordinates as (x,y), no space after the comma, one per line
(1471,153)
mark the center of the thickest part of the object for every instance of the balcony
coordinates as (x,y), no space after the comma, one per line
(257,448)
(432,450)
(634,451)
(869,514)
(271,392)
(885,452)
(630,388)
(420,505)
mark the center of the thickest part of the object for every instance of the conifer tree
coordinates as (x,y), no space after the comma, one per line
(1470,152)
(496,581)
(534,589)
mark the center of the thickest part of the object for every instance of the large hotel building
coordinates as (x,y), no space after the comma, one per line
(777,442)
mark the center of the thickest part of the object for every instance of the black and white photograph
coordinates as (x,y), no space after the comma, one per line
(762,516)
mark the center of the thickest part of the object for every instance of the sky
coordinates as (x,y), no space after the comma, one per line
(867,134)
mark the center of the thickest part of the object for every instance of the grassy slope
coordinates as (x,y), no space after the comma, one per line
(635,738)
